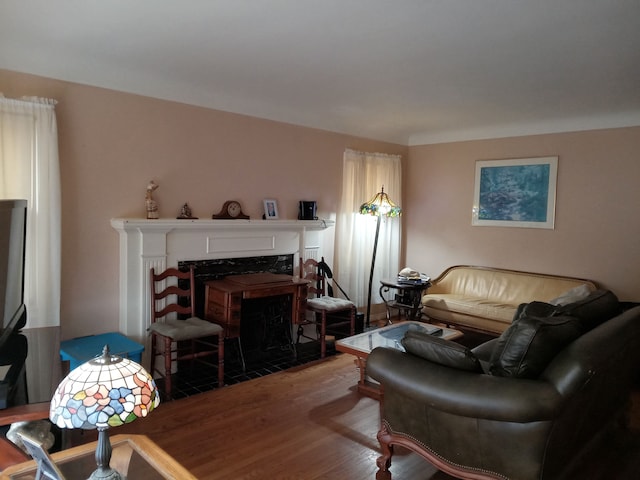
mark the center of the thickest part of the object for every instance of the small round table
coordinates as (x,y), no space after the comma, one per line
(407,298)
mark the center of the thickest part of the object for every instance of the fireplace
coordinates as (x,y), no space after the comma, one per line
(230,244)
(206,270)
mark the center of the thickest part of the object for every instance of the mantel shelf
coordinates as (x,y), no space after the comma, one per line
(168,224)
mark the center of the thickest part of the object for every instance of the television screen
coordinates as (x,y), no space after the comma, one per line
(13,216)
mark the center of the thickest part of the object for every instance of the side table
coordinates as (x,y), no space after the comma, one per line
(82,349)
(406,299)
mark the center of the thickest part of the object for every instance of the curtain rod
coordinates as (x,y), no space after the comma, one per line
(31,99)
(358,152)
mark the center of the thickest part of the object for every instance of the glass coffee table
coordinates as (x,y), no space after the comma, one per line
(134,456)
(390,336)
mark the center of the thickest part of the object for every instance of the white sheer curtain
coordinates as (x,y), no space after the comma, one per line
(363,176)
(29,169)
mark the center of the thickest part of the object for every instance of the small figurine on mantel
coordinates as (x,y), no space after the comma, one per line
(185,213)
(151,204)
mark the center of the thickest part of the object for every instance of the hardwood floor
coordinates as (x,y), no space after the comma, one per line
(305,423)
(302,424)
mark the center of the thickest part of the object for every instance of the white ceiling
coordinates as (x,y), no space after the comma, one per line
(405,71)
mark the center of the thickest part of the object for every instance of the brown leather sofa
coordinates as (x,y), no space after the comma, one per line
(486,298)
(522,406)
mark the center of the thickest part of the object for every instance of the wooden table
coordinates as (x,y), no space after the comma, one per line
(390,336)
(223,298)
(134,456)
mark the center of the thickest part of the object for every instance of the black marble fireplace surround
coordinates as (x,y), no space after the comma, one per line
(207,270)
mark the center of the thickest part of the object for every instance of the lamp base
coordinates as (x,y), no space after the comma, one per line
(106,474)
(103,458)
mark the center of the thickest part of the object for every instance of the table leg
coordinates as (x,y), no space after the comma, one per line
(364,387)
(384,289)
(416,311)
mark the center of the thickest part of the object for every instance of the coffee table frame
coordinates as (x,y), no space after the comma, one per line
(362,344)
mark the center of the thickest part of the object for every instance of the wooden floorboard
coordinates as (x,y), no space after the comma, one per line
(305,423)
(302,424)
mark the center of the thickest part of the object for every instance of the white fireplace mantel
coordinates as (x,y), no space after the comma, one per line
(162,243)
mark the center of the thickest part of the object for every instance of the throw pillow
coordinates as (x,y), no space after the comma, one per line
(574,295)
(443,352)
(597,308)
(525,349)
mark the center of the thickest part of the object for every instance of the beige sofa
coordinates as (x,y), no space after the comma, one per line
(486,299)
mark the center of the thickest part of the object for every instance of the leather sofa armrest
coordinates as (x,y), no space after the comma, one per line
(610,352)
(464,393)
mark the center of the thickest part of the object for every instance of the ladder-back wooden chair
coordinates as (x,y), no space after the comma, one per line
(189,338)
(330,313)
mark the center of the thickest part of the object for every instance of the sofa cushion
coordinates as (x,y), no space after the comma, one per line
(529,344)
(476,306)
(440,351)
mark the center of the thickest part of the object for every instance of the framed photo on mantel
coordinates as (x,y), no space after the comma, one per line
(270,209)
(515,193)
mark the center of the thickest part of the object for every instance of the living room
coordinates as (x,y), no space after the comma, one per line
(107,160)
(112,143)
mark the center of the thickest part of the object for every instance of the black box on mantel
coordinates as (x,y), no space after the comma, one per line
(307,210)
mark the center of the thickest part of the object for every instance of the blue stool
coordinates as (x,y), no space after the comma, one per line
(82,349)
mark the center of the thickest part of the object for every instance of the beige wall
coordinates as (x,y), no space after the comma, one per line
(597,227)
(111,144)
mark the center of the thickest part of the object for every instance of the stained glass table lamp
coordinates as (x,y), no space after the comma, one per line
(107,391)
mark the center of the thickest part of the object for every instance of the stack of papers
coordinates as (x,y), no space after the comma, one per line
(419,279)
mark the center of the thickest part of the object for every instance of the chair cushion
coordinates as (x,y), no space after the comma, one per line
(186,329)
(440,351)
(525,349)
(330,304)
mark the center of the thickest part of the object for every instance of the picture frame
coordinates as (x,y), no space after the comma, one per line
(47,469)
(518,192)
(270,209)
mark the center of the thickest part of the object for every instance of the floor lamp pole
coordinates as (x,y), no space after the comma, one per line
(373,263)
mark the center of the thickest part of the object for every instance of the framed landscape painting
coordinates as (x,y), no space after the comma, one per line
(515,193)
